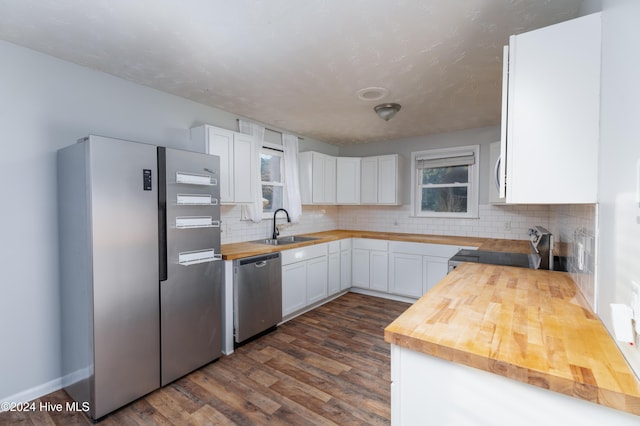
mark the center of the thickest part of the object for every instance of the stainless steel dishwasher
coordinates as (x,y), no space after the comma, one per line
(257,295)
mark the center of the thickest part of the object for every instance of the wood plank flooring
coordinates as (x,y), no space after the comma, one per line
(328,366)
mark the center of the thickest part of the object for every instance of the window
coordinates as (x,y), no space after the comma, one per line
(445,182)
(272,178)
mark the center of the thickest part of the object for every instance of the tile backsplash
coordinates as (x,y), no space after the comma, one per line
(574,229)
(495,221)
(314,219)
(571,225)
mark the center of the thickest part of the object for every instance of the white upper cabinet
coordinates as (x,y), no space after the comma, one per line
(317,178)
(369,181)
(348,180)
(379,182)
(325,179)
(551,103)
(236,152)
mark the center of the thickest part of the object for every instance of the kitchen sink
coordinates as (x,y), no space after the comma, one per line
(285,240)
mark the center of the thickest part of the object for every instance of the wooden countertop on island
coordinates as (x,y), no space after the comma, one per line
(234,251)
(528,325)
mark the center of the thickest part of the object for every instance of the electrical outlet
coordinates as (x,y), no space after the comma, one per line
(507,226)
(635,304)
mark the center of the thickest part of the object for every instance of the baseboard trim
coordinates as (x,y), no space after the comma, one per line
(31,394)
(45,388)
(383,295)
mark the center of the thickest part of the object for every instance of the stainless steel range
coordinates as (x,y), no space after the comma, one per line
(540,257)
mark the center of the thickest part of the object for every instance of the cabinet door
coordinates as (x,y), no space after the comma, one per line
(388,179)
(323,179)
(369,181)
(305,174)
(220,142)
(294,287)
(329,180)
(244,168)
(317,178)
(553,113)
(436,268)
(345,269)
(379,270)
(333,280)
(360,268)
(405,274)
(347,180)
(316,279)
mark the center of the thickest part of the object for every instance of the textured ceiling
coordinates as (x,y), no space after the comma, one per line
(297,65)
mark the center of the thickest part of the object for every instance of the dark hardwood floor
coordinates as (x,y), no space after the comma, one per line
(328,366)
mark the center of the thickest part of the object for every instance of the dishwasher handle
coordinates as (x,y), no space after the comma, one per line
(259,261)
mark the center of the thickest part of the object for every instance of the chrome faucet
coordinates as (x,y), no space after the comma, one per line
(275,229)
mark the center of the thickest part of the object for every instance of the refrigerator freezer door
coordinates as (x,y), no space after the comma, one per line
(123,177)
(191,295)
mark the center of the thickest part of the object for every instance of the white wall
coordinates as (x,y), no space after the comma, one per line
(45,104)
(619,209)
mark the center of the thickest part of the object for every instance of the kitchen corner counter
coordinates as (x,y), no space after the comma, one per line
(528,325)
(234,251)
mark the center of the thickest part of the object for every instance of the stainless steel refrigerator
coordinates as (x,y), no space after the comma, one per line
(140,276)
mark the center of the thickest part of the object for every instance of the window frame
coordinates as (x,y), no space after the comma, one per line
(473,182)
(272,149)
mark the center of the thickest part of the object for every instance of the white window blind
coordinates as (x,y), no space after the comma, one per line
(462,158)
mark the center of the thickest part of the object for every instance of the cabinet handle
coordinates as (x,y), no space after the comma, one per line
(496,173)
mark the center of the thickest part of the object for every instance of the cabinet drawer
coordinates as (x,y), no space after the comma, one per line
(425,249)
(303,253)
(370,244)
(345,244)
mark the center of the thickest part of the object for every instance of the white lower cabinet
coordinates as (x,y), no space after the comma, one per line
(370,264)
(414,268)
(334,273)
(406,274)
(313,273)
(379,267)
(316,279)
(360,268)
(304,277)
(454,394)
(434,269)
(294,287)
(345,264)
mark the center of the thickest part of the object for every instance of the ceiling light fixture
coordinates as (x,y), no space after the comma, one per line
(387,111)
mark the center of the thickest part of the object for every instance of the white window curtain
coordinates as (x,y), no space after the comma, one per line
(254,209)
(293,201)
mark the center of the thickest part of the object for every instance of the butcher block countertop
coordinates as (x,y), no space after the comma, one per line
(246,249)
(528,325)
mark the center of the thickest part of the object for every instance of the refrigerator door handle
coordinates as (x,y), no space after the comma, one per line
(162,212)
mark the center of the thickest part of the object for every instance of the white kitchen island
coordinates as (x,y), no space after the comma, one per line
(503,345)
